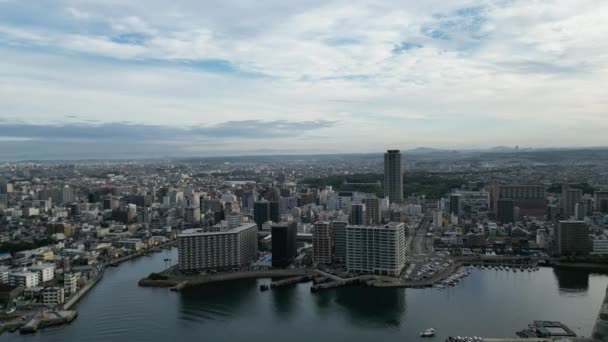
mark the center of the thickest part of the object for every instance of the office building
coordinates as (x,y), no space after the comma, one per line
(376,249)
(322,250)
(357,214)
(339,240)
(284,243)
(261,213)
(373,212)
(192,215)
(393,176)
(455,205)
(573,238)
(274,212)
(506,210)
(570,197)
(224,250)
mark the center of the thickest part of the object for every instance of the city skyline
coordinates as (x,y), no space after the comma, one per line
(98,78)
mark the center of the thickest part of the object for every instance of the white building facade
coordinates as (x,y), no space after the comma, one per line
(376,249)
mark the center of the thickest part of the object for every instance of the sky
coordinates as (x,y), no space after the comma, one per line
(127,79)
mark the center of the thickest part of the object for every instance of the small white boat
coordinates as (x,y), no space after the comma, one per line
(428,333)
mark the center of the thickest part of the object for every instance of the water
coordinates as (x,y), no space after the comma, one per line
(488,303)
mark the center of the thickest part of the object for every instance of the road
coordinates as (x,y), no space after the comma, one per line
(418,244)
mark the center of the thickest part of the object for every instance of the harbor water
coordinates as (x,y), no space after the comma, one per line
(488,303)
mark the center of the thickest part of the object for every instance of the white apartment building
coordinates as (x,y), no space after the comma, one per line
(376,249)
(199,250)
(25,279)
(70,282)
(45,272)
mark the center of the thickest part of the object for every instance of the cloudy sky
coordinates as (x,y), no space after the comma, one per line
(110,78)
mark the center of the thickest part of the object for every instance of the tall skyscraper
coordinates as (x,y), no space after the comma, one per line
(261,213)
(393,176)
(570,197)
(284,243)
(373,214)
(573,238)
(357,214)
(339,237)
(322,243)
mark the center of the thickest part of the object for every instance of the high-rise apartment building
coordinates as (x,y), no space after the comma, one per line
(376,249)
(393,176)
(223,250)
(530,198)
(339,239)
(322,245)
(455,204)
(570,197)
(373,212)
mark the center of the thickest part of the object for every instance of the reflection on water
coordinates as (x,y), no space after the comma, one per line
(218,301)
(572,281)
(284,299)
(372,306)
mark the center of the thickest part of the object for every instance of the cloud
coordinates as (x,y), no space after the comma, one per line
(402,70)
(128,131)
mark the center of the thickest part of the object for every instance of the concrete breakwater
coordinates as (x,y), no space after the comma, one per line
(181,282)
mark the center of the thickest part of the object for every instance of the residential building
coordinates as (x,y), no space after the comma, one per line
(70,282)
(357,214)
(393,176)
(25,279)
(376,249)
(530,198)
(222,250)
(53,296)
(46,272)
(132,244)
(322,243)
(570,197)
(373,212)
(339,240)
